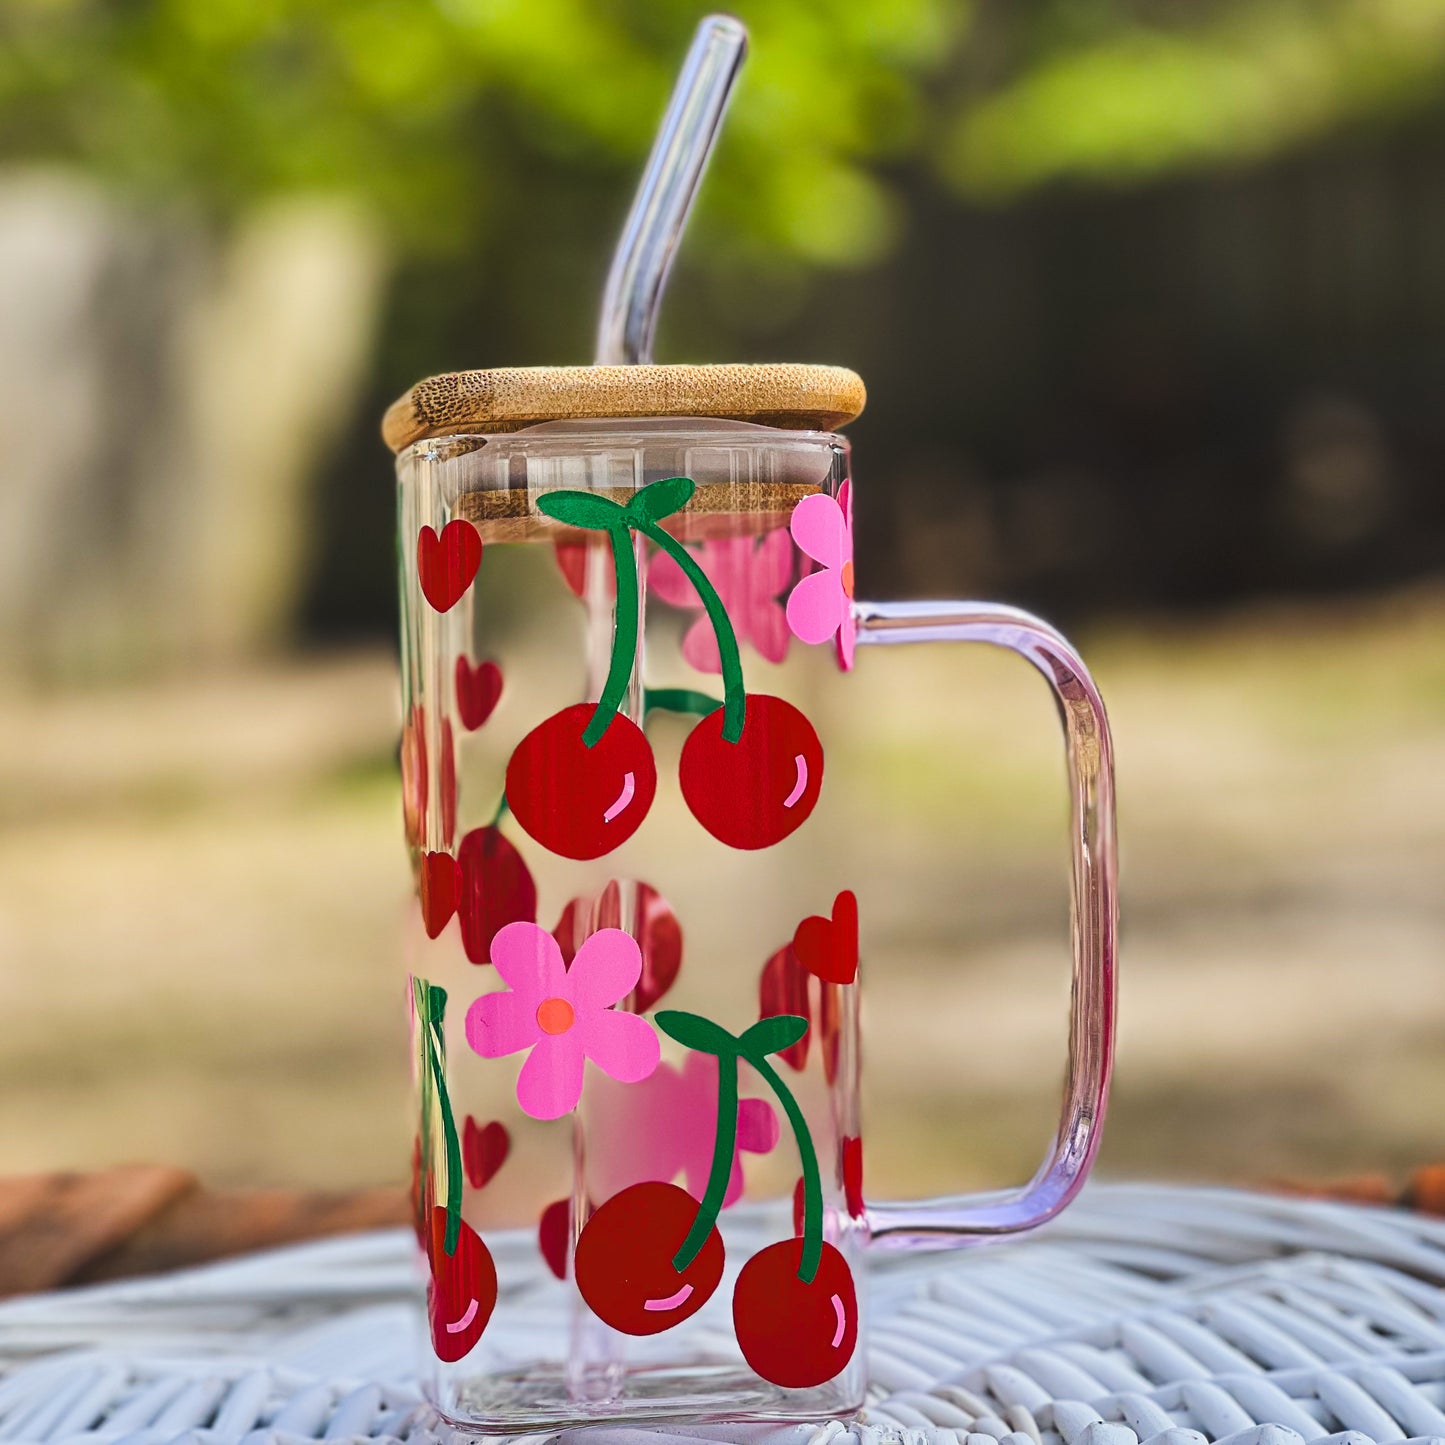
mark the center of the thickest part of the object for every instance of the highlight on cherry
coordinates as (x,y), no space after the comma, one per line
(652,1256)
(462,1292)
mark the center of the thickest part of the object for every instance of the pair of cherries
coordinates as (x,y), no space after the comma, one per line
(463,1290)
(652,1256)
(582,782)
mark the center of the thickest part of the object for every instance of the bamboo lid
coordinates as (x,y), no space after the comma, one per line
(782,394)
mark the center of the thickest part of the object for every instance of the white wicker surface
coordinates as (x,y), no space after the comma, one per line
(1177,1316)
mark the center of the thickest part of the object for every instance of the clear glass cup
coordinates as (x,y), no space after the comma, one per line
(638,1163)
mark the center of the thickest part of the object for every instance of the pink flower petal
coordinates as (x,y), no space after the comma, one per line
(501,1023)
(699,647)
(605,970)
(768,632)
(821,530)
(622,1045)
(550,1083)
(667,581)
(526,956)
(816,606)
(772,564)
(758,1128)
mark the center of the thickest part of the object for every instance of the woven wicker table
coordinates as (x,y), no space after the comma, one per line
(1147,1314)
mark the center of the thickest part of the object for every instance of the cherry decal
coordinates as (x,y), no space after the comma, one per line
(792,1332)
(638,1265)
(441,882)
(496,889)
(582,781)
(484,1150)
(828,947)
(478,691)
(446,565)
(578,798)
(753,782)
(463,1289)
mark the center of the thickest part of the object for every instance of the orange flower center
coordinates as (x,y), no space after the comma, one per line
(554,1015)
(847,573)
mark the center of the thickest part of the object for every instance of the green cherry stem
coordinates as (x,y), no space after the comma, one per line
(431,1003)
(734,691)
(624,633)
(767,1036)
(723,1149)
(812,1179)
(679,699)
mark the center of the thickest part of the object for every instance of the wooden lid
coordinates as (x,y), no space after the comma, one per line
(795,397)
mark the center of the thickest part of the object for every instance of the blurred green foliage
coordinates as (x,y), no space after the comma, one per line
(433,111)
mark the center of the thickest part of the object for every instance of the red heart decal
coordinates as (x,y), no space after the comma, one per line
(799,1206)
(552,1231)
(484,1150)
(853,1176)
(447,564)
(441,883)
(478,689)
(783,989)
(496,889)
(828,947)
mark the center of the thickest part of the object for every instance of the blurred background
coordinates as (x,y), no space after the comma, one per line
(1150,299)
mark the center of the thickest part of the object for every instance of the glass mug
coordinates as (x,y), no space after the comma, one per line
(634,992)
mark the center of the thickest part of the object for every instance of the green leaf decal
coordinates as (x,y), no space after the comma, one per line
(697,1033)
(583,509)
(662,499)
(773,1035)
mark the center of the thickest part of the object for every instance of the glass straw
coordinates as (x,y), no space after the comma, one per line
(669,186)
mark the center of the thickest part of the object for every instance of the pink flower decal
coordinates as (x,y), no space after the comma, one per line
(748,575)
(821,605)
(564,1016)
(666,1126)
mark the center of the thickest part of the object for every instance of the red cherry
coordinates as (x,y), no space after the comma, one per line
(653,924)
(463,1289)
(795,1334)
(446,565)
(754,792)
(623,1264)
(578,801)
(496,889)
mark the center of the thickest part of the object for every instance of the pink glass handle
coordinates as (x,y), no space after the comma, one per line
(1093,921)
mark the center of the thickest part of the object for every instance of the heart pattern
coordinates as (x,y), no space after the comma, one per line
(484,1150)
(853,1176)
(447,564)
(440,887)
(653,924)
(496,889)
(783,989)
(828,947)
(478,690)
(552,1230)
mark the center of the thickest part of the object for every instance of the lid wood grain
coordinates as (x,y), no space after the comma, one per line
(792,396)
